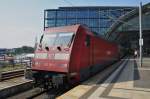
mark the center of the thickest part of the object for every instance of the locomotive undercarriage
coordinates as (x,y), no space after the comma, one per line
(48,80)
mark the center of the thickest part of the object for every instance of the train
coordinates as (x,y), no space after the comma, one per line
(68,55)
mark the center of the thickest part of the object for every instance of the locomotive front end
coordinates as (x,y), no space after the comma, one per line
(52,56)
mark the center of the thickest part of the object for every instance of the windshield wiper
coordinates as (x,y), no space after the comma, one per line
(47,48)
(41,38)
(59,48)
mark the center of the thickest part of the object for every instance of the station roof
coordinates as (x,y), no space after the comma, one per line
(91,7)
(125,18)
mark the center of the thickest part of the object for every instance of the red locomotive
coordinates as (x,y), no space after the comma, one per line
(71,54)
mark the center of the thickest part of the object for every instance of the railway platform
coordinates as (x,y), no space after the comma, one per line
(14,86)
(128,81)
(13,82)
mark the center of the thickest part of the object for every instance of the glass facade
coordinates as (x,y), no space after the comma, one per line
(98,19)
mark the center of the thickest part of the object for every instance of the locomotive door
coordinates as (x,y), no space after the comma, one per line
(91,55)
(85,61)
(89,50)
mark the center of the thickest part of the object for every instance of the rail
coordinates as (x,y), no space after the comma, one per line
(40,93)
(51,93)
(11,74)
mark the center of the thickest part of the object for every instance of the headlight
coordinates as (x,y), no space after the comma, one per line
(36,63)
(62,56)
(41,55)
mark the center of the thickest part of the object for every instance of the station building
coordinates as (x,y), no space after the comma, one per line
(97,18)
(119,24)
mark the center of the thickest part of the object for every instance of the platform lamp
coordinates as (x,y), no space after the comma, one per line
(140,34)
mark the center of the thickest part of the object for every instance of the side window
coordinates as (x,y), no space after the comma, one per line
(87,40)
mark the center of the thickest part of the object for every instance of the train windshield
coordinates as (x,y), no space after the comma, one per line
(57,39)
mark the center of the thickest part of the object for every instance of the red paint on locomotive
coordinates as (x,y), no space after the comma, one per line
(83,55)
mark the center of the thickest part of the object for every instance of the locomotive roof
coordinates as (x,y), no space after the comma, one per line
(71,28)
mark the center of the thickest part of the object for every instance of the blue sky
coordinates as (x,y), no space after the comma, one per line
(22,20)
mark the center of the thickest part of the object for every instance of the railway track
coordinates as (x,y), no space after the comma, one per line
(11,74)
(48,94)
(38,93)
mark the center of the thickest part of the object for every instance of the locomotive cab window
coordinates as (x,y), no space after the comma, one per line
(57,39)
(63,39)
(87,40)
